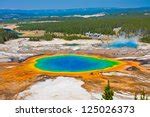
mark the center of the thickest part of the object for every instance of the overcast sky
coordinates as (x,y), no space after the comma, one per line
(68,4)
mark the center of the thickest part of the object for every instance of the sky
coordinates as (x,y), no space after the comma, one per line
(69,4)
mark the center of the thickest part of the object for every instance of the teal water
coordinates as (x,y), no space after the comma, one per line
(129,44)
(73,63)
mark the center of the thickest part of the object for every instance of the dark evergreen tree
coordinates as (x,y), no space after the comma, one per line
(108,92)
(135,96)
(143,95)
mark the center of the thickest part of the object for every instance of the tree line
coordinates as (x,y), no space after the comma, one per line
(129,24)
(7,35)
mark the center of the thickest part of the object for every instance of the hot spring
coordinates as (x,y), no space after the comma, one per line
(121,44)
(73,63)
(124,42)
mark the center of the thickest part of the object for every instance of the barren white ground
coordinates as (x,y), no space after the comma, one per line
(61,88)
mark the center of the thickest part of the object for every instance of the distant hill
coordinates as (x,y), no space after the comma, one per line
(6,14)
